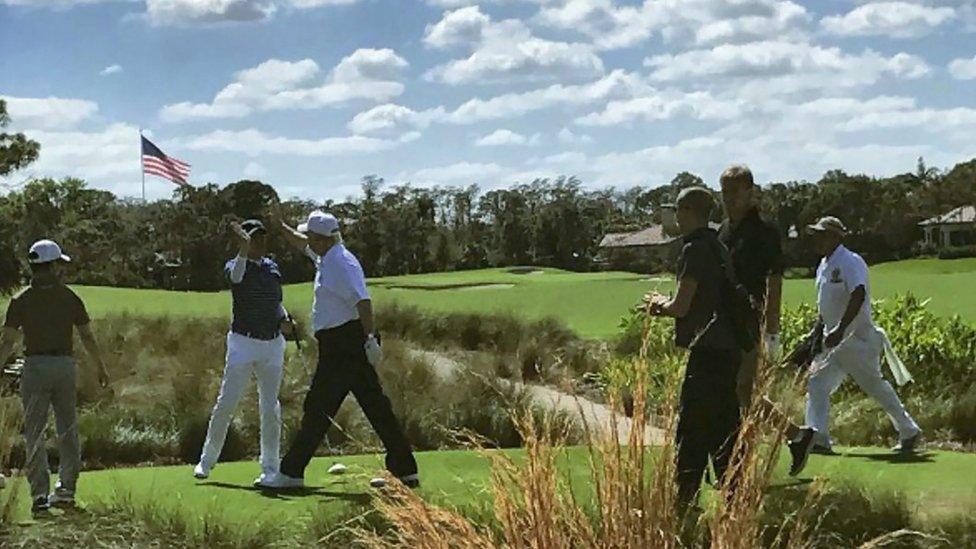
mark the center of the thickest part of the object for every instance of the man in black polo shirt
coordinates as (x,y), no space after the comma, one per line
(48,312)
(757,259)
(709,410)
(255,346)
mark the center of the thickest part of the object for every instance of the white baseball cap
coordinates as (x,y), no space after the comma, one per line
(46,251)
(321,223)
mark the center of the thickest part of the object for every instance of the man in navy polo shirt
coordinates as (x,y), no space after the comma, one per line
(255,346)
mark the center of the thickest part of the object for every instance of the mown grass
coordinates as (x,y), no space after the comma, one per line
(936,485)
(591,304)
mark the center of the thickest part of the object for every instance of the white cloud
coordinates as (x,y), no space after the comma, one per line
(460,173)
(49,113)
(182,12)
(111,69)
(503,138)
(612,25)
(367,74)
(109,155)
(253,142)
(894,19)
(504,51)
(305,4)
(662,106)
(616,85)
(568,137)
(390,119)
(963,69)
(784,66)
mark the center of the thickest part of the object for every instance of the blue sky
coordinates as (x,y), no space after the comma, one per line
(310,95)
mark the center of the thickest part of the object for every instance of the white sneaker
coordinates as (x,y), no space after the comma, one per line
(280,481)
(410,481)
(337,469)
(61,498)
(201,471)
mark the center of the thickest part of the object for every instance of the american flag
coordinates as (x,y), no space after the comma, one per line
(155,162)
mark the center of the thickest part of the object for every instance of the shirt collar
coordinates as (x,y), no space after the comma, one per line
(836,253)
(750,217)
(335,249)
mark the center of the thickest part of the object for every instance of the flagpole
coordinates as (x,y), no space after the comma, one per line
(142,168)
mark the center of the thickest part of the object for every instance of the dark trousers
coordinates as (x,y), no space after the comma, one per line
(343,368)
(709,417)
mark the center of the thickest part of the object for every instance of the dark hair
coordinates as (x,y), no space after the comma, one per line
(738,173)
(698,199)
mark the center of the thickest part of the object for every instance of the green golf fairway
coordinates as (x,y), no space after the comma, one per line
(937,484)
(589,303)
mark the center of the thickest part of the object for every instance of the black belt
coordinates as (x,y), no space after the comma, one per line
(263,336)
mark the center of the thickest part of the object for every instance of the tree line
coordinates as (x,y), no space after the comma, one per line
(182,242)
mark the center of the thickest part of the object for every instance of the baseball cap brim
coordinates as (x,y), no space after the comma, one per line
(302,228)
(63,258)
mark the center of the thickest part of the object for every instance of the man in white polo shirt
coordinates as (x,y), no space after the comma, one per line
(852,343)
(349,351)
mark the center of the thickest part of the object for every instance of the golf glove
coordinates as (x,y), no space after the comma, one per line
(374,353)
(772,347)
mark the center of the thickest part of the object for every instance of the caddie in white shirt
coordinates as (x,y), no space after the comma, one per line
(853,345)
(349,352)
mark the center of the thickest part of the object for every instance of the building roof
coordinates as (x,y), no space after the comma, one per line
(651,236)
(962,214)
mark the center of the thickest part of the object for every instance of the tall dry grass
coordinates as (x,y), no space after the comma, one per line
(631,500)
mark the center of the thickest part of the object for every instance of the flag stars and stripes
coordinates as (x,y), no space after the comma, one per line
(155,162)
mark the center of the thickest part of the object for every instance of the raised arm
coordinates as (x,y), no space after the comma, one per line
(295,238)
(91,346)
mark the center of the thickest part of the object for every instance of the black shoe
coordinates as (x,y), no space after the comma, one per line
(823,450)
(908,445)
(40,504)
(800,449)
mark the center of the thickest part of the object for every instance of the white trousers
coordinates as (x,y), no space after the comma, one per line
(860,358)
(263,359)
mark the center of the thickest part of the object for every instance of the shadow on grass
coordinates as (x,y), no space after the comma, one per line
(790,484)
(361,498)
(920,457)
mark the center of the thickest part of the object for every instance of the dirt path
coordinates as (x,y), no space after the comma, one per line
(597,417)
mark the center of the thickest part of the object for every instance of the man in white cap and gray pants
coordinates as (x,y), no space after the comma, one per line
(47,312)
(349,352)
(853,345)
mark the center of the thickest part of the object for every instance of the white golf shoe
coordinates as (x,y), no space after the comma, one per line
(337,469)
(201,471)
(410,481)
(280,481)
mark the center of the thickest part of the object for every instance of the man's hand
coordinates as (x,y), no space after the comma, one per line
(834,338)
(244,239)
(374,352)
(654,302)
(772,347)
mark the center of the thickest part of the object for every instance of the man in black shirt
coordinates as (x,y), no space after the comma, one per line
(757,259)
(709,410)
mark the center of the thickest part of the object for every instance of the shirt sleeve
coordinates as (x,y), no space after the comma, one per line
(856,273)
(355,282)
(235,269)
(694,262)
(14,314)
(80,317)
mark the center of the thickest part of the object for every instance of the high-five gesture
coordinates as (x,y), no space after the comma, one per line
(244,239)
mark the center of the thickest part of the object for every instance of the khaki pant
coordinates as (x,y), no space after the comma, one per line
(49,382)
